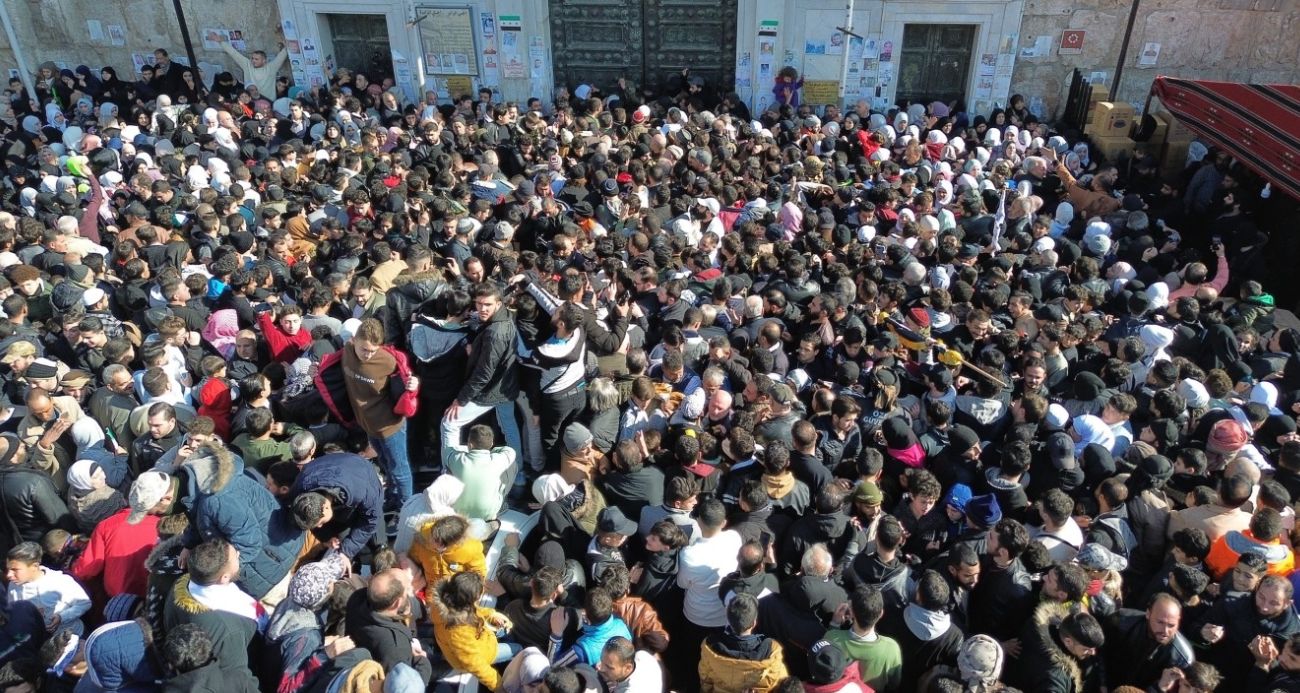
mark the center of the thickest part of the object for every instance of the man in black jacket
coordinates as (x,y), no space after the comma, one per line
(826,525)
(31,504)
(1060,655)
(1235,622)
(1142,645)
(923,629)
(1274,670)
(376,621)
(493,382)
(1002,598)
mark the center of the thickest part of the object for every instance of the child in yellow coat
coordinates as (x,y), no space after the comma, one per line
(465,631)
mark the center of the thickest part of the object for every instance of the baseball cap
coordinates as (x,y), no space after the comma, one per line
(709,203)
(18,350)
(826,663)
(612,520)
(148,489)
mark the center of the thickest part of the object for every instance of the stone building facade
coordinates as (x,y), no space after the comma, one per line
(979,50)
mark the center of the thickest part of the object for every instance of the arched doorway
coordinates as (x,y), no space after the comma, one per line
(645,41)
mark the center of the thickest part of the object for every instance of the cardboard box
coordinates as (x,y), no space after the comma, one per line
(1097,94)
(1176,132)
(1173,158)
(1111,120)
(1110,148)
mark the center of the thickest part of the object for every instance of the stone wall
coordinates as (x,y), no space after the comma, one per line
(56,30)
(1228,40)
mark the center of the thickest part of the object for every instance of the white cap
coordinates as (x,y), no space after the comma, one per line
(92,296)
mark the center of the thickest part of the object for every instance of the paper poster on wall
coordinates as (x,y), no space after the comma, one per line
(450,32)
(814,47)
(289,29)
(766,49)
(1040,48)
(138,62)
(537,56)
(210,36)
(768,27)
(1150,54)
(310,54)
(488,24)
(836,45)
(1008,44)
(765,72)
(236,38)
(315,76)
(1097,78)
(117,35)
(887,52)
(1036,106)
(96,29)
(514,67)
(491,67)
(988,64)
(790,59)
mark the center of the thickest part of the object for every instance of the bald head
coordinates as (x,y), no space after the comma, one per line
(1207,294)
(386,590)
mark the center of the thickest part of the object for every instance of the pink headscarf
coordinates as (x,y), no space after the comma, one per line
(391,142)
(223,327)
(791,218)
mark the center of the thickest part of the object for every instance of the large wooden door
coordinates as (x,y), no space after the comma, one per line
(646,41)
(935,62)
(361,44)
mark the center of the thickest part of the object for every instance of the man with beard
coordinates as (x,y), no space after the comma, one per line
(1142,646)
(377,619)
(1235,622)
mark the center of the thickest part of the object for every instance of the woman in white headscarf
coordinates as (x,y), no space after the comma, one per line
(54,117)
(91,444)
(1159,295)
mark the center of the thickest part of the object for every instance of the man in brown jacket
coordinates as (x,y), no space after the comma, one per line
(367,368)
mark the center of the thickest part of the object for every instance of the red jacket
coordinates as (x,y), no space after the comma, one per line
(216,403)
(117,552)
(284,348)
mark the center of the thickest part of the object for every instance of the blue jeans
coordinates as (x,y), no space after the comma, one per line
(396,464)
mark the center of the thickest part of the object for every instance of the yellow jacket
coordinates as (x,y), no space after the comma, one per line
(721,674)
(468,643)
(464,555)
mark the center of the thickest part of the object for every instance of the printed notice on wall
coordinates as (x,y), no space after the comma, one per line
(449,32)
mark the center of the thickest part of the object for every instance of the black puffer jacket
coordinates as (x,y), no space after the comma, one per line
(493,372)
(32,506)
(441,355)
(410,293)
(1044,664)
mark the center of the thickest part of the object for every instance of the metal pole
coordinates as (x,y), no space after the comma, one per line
(848,41)
(1123,50)
(27,74)
(189,47)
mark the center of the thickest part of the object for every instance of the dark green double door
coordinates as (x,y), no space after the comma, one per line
(935,62)
(645,41)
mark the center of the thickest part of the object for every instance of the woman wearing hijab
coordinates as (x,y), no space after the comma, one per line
(187,87)
(901,443)
(112,89)
(1219,348)
(87,83)
(91,444)
(297,629)
(90,499)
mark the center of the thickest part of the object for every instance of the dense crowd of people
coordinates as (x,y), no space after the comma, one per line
(805,400)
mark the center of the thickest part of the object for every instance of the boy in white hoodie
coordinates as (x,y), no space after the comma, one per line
(58,596)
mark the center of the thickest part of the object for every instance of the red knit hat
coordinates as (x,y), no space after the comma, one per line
(920,316)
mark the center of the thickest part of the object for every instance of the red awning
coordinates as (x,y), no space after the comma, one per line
(1259,124)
